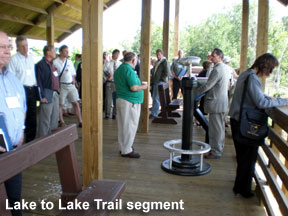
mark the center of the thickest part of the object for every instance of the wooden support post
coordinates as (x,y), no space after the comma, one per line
(244,35)
(92,100)
(50,29)
(145,62)
(285,190)
(262,31)
(165,44)
(176,29)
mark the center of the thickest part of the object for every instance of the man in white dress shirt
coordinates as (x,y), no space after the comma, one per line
(67,74)
(22,65)
(110,91)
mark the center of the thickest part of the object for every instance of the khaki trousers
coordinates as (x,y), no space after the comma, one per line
(128,115)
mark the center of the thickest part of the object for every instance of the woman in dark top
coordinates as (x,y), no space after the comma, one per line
(246,152)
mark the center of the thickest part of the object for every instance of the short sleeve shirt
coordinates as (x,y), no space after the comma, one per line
(124,78)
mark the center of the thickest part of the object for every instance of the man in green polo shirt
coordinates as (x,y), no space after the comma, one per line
(130,94)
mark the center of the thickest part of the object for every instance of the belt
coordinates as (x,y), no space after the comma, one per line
(29,87)
(66,83)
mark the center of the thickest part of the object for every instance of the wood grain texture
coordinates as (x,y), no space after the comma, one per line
(210,194)
(92,82)
(166,22)
(145,51)
(244,35)
(262,31)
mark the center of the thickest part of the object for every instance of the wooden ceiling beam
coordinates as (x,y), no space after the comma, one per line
(27,35)
(41,18)
(284,2)
(58,1)
(56,28)
(111,2)
(74,7)
(65,35)
(25,6)
(15,19)
(69,19)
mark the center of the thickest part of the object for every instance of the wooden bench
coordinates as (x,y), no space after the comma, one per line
(61,143)
(167,106)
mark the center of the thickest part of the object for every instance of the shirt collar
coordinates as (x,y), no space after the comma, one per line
(50,63)
(21,56)
(5,71)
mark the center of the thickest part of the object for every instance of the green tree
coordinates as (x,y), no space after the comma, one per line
(156,40)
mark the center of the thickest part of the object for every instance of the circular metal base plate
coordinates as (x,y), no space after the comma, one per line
(193,170)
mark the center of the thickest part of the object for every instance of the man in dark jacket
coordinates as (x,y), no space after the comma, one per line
(160,76)
(48,82)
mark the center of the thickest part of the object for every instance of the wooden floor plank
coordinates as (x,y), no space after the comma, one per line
(210,194)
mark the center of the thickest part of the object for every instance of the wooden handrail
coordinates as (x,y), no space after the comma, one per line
(61,143)
(276,167)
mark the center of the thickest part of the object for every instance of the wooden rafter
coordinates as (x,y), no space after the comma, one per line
(15,19)
(74,7)
(25,6)
(56,28)
(42,14)
(110,3)
(59,1)
(69,19)
(284,2)
(41,18)
(65,34)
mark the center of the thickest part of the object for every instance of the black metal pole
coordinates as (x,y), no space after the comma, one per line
(188,109)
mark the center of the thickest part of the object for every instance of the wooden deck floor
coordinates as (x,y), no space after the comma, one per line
(210,194)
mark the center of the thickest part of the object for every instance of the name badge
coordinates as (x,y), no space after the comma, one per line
(55,73)
(12,102)
(28,72)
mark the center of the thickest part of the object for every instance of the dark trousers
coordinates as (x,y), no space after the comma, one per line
(31,115)
(13,189)
(246,156)
(176,87)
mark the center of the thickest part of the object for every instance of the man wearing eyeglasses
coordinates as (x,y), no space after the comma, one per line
(13,108)
(216,103)
(22,66)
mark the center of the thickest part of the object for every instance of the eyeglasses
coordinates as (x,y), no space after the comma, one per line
(4,47)
(214,55)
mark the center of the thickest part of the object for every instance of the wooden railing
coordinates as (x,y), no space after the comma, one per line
(61,143)
(271,173)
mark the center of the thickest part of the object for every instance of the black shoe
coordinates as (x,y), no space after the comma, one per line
(131,147)
(114,117)
(244,194)
(80,125)
(131,155)
(211,156)
(106,117)
(151,116)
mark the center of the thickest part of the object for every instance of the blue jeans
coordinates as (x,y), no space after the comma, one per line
(156,101)
(13,189)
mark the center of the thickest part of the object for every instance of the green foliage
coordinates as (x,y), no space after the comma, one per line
(73,53)
(156,40)
(223,30)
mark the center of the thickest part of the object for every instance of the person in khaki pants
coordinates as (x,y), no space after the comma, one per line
(129,93)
